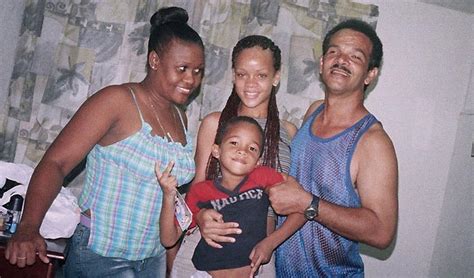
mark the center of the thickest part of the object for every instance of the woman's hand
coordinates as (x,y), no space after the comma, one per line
(23,247)
(168,182)
(214,229)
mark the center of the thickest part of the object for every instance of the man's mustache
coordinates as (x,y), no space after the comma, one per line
(340,67)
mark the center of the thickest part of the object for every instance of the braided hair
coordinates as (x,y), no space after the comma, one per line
(270,155)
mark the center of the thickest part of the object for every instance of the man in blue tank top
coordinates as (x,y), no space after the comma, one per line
(344,166)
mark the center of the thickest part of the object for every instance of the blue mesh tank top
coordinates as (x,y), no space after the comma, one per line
(322,166)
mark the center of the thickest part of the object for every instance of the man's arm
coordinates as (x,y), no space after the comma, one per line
(374,171)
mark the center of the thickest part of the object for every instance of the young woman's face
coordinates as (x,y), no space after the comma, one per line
(178,70)
(240,149)
(254,75)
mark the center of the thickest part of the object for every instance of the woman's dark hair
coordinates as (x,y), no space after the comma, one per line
(168,24)
(272,126)
(222,130)
(364,28)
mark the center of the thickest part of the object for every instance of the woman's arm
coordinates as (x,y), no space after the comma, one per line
(93,123)
(214,229)
(205,140)
(290,128)
(169,231)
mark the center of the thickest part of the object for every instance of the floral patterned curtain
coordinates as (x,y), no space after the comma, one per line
(69,49)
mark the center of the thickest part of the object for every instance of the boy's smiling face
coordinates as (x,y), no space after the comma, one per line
(240,150)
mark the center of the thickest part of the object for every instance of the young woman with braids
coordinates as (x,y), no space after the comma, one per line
(256,64)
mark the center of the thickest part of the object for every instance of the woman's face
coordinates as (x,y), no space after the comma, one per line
(178,71)
(254,75)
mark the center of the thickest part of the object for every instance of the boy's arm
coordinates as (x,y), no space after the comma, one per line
(271,222)
(169,231)
(262,252)
(292,223)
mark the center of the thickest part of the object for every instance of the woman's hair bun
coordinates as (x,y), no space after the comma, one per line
(170,14)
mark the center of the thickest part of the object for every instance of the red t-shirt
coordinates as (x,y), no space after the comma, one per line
(247,205)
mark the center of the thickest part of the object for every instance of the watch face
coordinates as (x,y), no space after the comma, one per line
(310,213)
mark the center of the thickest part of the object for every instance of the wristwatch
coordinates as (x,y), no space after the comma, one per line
(311,212)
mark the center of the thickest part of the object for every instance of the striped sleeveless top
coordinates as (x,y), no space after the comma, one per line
(123,193)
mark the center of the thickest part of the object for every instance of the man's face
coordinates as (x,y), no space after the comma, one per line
(344,67)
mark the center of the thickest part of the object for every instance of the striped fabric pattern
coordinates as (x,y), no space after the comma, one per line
(124,196)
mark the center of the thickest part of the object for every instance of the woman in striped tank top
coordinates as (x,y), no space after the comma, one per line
(123,130)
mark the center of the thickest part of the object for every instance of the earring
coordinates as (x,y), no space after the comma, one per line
(153,64)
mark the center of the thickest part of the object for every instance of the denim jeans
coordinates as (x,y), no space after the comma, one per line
(82,262)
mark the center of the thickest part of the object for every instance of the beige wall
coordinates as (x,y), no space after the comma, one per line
(424,100)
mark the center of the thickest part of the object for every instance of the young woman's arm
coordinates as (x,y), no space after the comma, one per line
(205,140)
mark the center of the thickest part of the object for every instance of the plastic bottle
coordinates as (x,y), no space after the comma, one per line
(14,213)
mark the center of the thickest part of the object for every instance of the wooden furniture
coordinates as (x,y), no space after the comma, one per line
(39,269)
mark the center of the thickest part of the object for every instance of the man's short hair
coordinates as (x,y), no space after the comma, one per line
(364,28)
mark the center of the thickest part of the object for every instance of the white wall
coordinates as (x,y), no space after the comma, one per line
(420,97)
(454,245)
(424,100)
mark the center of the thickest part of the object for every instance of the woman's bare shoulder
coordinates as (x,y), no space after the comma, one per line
(212,117)
(210,121)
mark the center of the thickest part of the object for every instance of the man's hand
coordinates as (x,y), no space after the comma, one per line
(289,197)
(213,229)
(23,247)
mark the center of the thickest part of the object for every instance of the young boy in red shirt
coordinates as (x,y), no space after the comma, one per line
(239,195)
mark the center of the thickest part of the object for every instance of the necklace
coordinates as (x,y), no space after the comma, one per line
(166,133)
